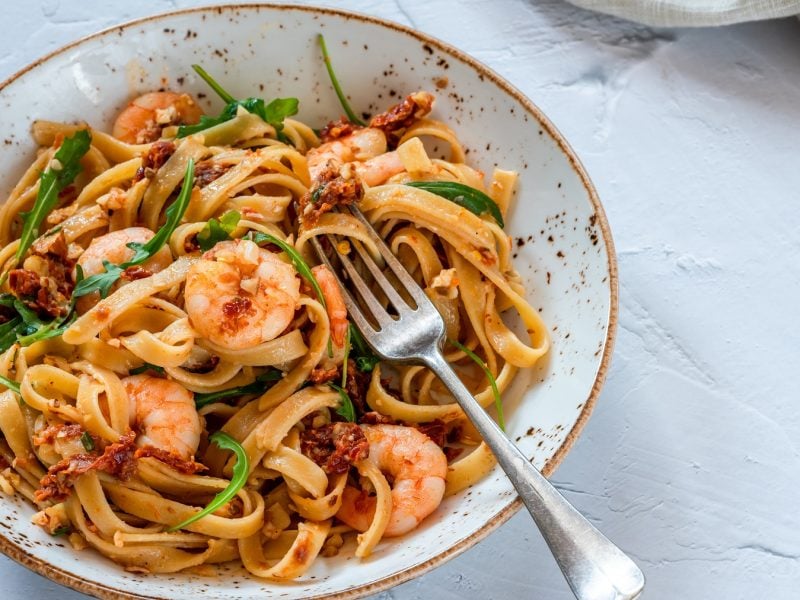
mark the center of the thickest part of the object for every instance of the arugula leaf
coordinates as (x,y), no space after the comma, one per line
(276,112)
(367,364)
(273,113)
(10,384)
(8,333)
(498,403)
(475,201)
(87,441)
(218,230)
(26,327)
(174,215)
(365,359)
(346,409)
(226,97)
(102,282)
(29,317)
(335,83)
(259,386)
(63,530)
(54,328)
(52,182)
(315,195)
(147,367)
(240,472)
(206,122)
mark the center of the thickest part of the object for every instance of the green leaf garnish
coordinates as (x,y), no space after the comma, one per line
(226,97)
(475,201)
(174,215)
(63,530)
(262,383)
(10,384)
(346,409)
(218,230)
(27,328)
(8,333)
(10,329)
(54,328)
(498,403)
(276,112)
(273,113)
(367,364)
(240,471)
(30,319)
(87,441)
(52,182)
(315,195)
(364,357)
(207,122)
(102,282)
(335,83)
(147,367)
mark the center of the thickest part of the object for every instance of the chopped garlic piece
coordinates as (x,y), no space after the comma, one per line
(446,283)
(165,116)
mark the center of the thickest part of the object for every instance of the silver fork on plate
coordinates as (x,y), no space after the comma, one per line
(593,566)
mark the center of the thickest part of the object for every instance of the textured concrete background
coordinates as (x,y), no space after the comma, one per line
(691,461)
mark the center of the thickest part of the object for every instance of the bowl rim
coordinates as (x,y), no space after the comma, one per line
(59,575)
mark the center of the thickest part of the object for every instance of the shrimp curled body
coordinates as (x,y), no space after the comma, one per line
(418,467)
(239,295)
(164,413)
(142,121)
(365,149)
(113,247)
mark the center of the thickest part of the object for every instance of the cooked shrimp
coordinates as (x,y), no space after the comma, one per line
(113,247)
(240,295)
(418,467)
(365,149)
(379,169)
(360,145)
(142,121)
(164,414)
(337,311)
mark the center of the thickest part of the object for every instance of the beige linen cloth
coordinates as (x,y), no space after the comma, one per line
(693,13)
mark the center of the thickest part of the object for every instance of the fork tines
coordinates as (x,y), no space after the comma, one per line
(383,295)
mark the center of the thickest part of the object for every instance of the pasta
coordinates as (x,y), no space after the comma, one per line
(182,387)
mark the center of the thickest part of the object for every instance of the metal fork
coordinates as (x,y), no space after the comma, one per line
(593,566)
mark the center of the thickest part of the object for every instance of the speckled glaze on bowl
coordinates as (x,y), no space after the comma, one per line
(562,244)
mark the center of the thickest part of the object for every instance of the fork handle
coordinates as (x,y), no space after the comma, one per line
(593,566)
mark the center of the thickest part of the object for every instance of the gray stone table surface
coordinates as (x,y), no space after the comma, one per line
(691,461)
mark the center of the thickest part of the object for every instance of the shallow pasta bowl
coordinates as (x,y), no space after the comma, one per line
(562,249)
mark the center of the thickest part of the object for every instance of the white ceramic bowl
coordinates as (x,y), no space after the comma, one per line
(563,247)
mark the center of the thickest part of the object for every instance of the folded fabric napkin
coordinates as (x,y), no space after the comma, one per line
(693,13)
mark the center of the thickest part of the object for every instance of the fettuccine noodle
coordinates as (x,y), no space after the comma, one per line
(114,390)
